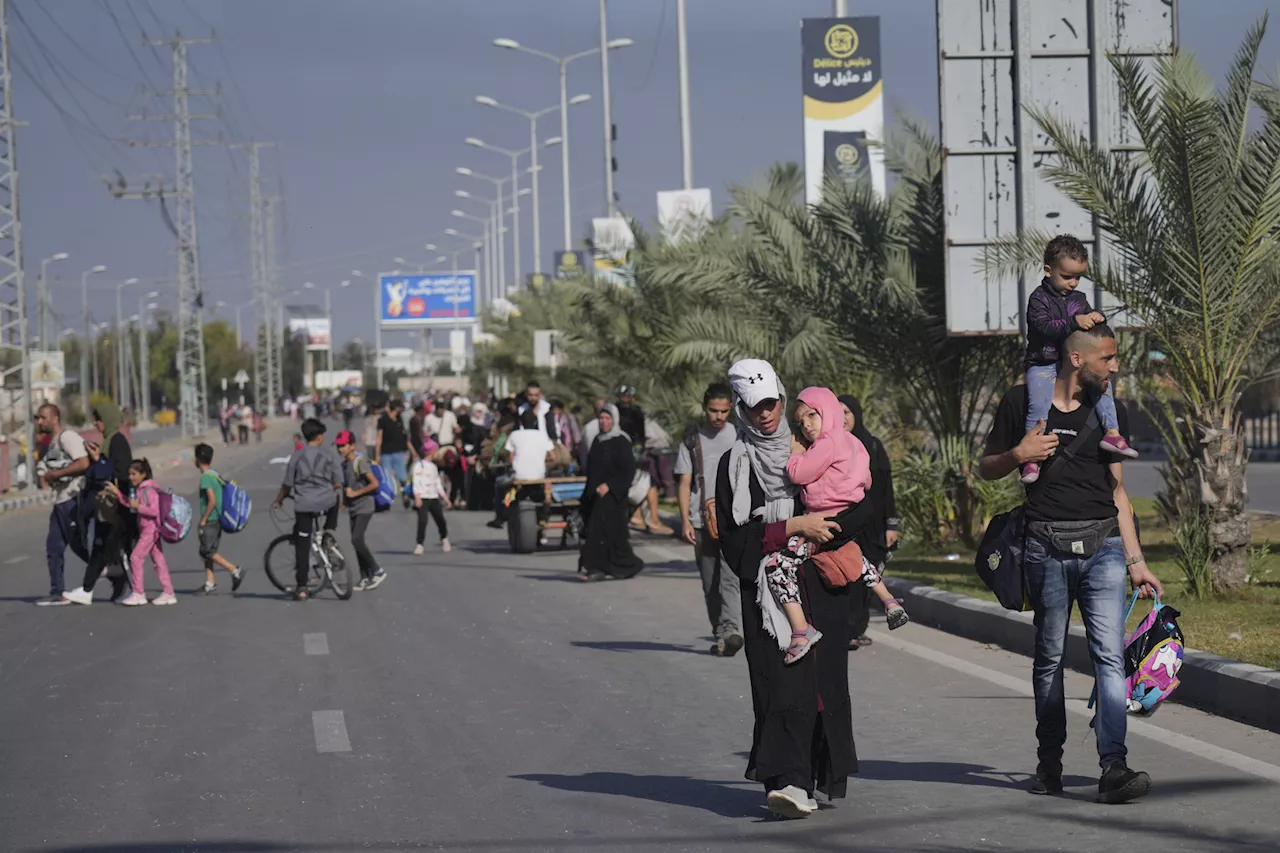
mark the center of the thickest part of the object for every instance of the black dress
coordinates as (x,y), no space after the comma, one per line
(606,543)
(803,732)
(873,536)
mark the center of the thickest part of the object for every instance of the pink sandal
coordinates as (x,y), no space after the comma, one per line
(799,649)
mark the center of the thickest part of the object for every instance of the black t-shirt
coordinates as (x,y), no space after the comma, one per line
(393,438)
(1082,491)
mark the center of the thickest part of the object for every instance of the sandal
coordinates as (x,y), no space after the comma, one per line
(301,594)
(858,642)
(797,649)
(896,614)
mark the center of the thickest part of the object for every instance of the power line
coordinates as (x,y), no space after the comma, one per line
(128,44)
(77,45)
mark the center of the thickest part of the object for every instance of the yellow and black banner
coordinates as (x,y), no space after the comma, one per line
(572,264)
(843,95)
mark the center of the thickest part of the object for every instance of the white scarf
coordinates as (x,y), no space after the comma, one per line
(767,456)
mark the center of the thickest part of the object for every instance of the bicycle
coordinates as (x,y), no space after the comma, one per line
(328,565)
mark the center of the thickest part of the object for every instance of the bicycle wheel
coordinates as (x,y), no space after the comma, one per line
(339,574)
(279,561)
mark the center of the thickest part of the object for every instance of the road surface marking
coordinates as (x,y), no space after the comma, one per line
(331,731)
(1225,757)
(315,644)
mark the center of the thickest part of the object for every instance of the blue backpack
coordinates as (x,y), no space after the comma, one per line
(385,495)
(236,506)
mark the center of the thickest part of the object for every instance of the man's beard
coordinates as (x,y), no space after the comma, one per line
(1094,383)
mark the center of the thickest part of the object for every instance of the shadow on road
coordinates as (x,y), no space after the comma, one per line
(636,646)
(726,799)
(954,773)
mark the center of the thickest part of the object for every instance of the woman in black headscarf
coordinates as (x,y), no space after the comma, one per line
(606,544)
(113,528)
(881,533)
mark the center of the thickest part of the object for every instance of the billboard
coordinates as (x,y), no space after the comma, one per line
(315,332)
(683,214)
(48,369)
(613,241)
(844,155)
(336,380)
(571,264)
(429,299)
(536,280)
(992,66)
(843,94)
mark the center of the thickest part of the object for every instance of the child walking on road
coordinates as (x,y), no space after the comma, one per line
(210,525)
(429,494)
(146,503)
(358,496)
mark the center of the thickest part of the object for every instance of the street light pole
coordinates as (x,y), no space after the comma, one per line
(120,344)
(563,63)
(84,349)
(686,143)
(43,300)
(144,358)
(608,115)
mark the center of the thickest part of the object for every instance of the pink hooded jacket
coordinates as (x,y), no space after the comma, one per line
(836,470)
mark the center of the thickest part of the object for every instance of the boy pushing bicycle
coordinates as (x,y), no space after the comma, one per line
(314,476)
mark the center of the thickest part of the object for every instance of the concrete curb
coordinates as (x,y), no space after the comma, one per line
(40,498)
(1228,688)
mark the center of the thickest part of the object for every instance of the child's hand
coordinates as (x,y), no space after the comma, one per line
(1085,321)
(797,446)
(417,503)
(1097,317)
(133,504)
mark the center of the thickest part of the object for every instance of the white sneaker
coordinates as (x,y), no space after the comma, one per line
(418,551)
(78,596)
(135,600)
(445,546)
(791,802)
(378,577)
(165,599)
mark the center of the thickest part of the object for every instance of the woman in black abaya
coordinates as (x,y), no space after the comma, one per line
(881,532)
(606,544)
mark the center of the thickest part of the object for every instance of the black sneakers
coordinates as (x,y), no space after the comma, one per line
(1119,784)
(237,578)
(1048,779)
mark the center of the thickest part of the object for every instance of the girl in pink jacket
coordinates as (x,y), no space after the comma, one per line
(833,472)
(146,503)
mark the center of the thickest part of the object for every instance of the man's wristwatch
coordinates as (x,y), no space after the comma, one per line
(1134,560)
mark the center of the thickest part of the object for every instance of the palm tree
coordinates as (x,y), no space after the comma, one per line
(1192,226)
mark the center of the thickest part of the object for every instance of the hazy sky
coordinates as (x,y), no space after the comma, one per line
(370,102)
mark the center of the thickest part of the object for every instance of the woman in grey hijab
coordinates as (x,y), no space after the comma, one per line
(803,735)
(606,544)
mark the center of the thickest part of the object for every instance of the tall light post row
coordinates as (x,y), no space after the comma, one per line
(42,307)
(563,63)
(534,168)
(145,307)
(84,350)
(120,342)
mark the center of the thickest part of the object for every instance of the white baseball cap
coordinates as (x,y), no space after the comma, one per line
(753,380)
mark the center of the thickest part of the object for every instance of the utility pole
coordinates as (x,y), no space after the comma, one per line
(264,353)
(608,114)
(274,311)
(13,304)
(192,377)
(686,141)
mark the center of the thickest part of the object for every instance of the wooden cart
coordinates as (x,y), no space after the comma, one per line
(537,507)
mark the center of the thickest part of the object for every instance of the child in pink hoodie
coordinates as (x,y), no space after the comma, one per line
(833,472)
(146,503)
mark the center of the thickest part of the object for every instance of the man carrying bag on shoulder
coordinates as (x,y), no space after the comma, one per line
(1081,546)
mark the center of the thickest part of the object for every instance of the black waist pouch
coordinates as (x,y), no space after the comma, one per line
(1077,538)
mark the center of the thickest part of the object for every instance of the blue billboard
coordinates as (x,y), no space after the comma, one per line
(429,299)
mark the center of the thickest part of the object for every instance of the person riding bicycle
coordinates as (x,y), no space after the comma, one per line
(314,476)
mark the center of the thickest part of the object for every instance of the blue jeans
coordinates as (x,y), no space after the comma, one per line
(397,465)
(1040,379)
(1100,585)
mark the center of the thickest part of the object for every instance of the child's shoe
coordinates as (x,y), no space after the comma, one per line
(165,598)
(801,643)
(1117,445)
(135,600)
(445,546)
(896,614)
(1030,473)
(418,550)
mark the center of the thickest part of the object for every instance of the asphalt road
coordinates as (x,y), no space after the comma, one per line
(1143,479)
(481,701)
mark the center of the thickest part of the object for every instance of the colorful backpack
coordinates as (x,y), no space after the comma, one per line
(174,516)
(1152,658)
(236,506)
(385,495)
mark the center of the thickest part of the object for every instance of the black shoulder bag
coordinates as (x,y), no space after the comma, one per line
(999,559)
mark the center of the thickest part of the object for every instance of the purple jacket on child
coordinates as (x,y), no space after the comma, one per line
(1050,318)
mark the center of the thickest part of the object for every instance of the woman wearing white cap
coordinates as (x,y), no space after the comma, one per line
(803,737)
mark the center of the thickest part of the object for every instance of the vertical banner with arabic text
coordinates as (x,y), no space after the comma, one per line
(843,97)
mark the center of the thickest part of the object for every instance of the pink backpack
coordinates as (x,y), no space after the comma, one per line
(1152,659)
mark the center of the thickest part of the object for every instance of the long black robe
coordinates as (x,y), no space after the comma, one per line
(606,544)
(803,725)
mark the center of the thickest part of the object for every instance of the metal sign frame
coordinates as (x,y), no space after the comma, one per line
(994,58)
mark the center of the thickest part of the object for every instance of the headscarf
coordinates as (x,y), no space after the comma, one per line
(615,431)
(478,413)
(109,414)
(767,455)
(879,459)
